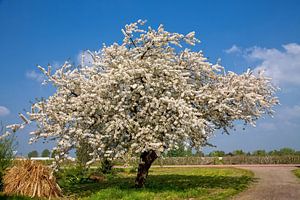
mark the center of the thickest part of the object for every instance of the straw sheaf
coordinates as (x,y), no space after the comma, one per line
(31,178)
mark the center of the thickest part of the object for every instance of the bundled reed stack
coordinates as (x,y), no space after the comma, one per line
(31,178)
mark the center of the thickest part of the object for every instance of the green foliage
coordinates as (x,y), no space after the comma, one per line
(7,148)
(73,175)
(181,151)
(287,151)
(259,153)
(46,153)
(238,152)
(33,154)
(297,172)
(284,152)
(168,183)
(216,154)
(83,153)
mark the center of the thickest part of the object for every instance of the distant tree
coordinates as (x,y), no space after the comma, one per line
(229,154)
(287,151)
(238,152)
(216,154)
(259,153)
(182,151)
(274,153)
(33,154)
(46,153)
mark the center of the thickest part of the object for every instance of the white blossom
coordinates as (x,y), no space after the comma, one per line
(145,94)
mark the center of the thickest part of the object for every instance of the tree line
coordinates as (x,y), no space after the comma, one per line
(45,153)
(184,151)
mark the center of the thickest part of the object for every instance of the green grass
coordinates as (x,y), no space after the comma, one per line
(297,172)
(5,197)
(166,183)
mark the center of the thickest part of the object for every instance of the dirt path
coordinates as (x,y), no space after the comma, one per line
(273,183)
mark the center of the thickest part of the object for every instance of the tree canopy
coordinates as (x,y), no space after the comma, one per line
(144,96)
(33,153)
(45,153)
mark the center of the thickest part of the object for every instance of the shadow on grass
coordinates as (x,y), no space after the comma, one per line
(6,197)
(163,183)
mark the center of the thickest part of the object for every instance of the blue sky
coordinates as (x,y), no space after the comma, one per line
(244,34)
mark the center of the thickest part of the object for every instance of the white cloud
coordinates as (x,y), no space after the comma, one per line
(4,111)
(233,49)
(35,76)
(281,65)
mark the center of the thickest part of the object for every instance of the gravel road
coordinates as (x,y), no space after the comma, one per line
(272,183)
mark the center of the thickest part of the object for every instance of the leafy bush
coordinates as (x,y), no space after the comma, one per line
(73,175)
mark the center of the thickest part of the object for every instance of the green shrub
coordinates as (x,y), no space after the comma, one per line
(7,148)
(73,175)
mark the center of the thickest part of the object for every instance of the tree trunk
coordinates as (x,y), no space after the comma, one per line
(146,159)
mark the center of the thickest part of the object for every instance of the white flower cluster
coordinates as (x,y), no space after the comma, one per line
(149,93)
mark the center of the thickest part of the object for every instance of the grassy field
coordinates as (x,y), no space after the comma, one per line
(166,183)
(162,183)
(297,172)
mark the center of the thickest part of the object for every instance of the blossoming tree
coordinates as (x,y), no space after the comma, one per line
(144,97)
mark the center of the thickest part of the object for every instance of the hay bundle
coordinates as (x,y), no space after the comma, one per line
(32,179)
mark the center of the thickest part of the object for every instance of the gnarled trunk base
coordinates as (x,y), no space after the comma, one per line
(146,160)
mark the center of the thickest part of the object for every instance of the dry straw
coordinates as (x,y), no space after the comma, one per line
(31,178)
